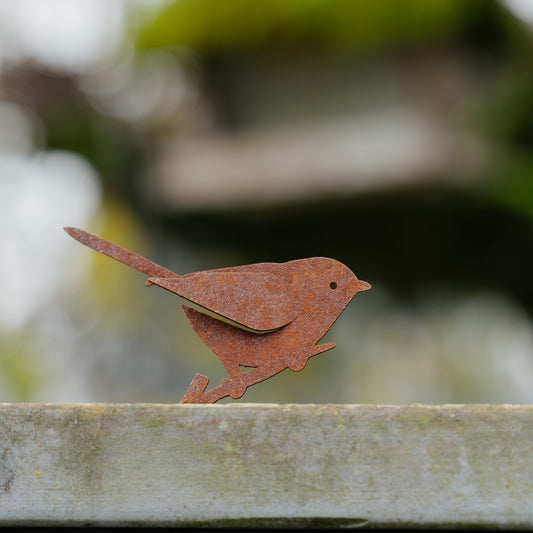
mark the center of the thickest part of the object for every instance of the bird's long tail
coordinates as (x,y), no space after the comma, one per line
(118,253)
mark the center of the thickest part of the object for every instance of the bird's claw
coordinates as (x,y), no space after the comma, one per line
(237,387)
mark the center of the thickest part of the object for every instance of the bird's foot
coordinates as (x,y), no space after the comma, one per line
(236,386)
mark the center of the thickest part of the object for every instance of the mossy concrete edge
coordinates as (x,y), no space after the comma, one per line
(269,465)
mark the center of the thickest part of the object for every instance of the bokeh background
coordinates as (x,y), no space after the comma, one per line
(396,137)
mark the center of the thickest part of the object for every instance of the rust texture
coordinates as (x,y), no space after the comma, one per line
(269,316)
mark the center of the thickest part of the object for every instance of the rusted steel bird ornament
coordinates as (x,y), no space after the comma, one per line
(268,316)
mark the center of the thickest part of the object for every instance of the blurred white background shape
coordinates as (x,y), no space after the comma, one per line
(39,195)
(61,34)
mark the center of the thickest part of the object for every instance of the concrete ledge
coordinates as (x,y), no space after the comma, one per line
(266,465)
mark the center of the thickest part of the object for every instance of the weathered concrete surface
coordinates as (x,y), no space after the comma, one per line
(266,465)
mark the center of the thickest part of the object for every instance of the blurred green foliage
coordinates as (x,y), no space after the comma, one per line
(239,26)
(21,369)
(505,117)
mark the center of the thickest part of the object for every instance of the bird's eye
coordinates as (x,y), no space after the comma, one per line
(333,285)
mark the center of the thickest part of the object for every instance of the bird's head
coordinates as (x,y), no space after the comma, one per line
(327,283)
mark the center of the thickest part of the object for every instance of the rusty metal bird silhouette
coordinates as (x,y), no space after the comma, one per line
(268,316)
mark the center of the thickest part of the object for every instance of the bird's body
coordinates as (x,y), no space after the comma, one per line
(275,313)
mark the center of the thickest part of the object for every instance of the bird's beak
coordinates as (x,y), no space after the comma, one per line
(362,286)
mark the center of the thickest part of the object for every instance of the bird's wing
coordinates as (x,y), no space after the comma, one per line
(256,300)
